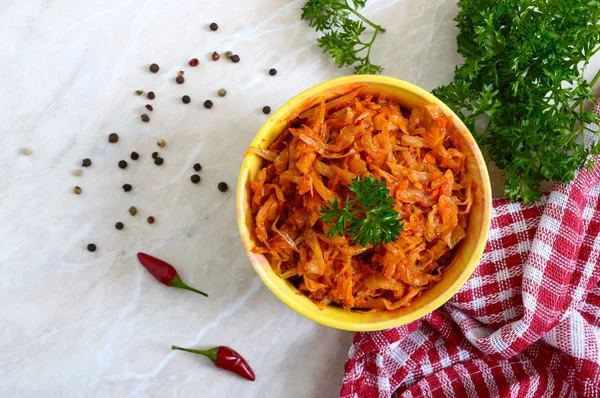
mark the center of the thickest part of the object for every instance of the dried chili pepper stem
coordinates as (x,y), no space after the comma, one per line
(165,273)
(225,358)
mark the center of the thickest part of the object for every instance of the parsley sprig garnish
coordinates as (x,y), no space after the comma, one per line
(368,218)
(522,83)
(342,33)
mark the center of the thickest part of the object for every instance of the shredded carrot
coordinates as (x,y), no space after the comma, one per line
(312,162)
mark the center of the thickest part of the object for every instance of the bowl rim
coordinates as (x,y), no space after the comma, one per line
(293,303)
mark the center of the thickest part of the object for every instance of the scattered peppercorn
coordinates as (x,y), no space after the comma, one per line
(154,68)
(154,155)
(194,62)
(208,104)
(180,79)
(77,190)
(266,110)
(113,137)
(139,92)
(161,143)
(119,225)
(195,178)
(151,95)
(272,71)
(134,156)
(87,162)
(223,187)
(214,26)
(228,54)
(215,56)
(91,247)
(26,151)
(235,58)
(180,73)
(145,118)
(186,99)
(222,92)
(77,172)
(158,161)
(197,167)
(122,164)
(149,107)
(132,210)
(150,220)
(127,187)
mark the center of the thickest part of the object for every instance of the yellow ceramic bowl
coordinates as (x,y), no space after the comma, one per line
(465,257)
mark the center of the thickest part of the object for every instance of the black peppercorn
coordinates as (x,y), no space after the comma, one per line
(158,161)
(119,225)
(113,137)
(235,58)
(154,68)
(149,107)
(186,99)
(208,104)
(195,178)
(127,187)
(272,71)
(145,118)
(222,187)
(214,26)
(180,79)
(91,247)
(87,162)
(266,110)
(151,95)
(197,167)
(154,155)
(150,220)
(122,164)
(134,156)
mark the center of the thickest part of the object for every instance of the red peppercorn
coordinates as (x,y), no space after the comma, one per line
(215,56)
(194,62)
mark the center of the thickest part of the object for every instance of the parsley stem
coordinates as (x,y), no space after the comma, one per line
(595,79)
(371,42)
(591,84)
(365,20)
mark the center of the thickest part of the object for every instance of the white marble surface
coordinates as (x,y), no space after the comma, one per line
(77,324)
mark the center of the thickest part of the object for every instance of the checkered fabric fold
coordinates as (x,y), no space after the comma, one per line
(526,324)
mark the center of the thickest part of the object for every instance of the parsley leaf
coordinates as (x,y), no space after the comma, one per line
(341,34)
(368,218)
(523,78)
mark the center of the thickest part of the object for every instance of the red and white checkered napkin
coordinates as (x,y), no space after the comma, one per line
(526,324)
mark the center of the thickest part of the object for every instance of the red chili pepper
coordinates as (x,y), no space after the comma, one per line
(225,358)
(164,272)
